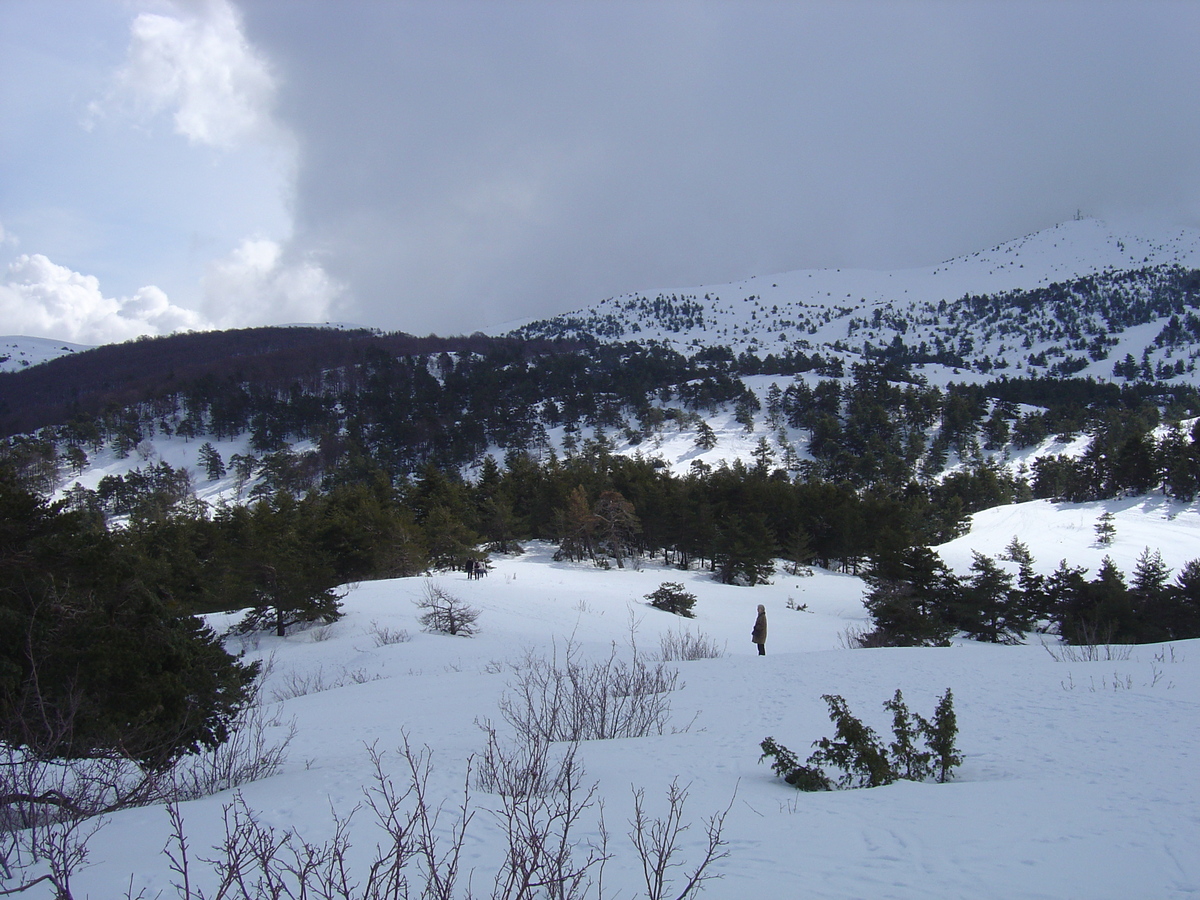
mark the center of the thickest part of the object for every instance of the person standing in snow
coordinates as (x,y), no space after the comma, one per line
(759,634)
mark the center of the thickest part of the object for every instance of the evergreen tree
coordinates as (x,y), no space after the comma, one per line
(671,597)
(855,749)
(291,581)
(576,527)
(449,543)
(1154,600)
(799,552)
(941,734)
(744,551)
(1187,594)
(1099,611)
(910,592)
(909,762)
(763,457)
(92,663)
(214,466)
(990,608)
(1179,464)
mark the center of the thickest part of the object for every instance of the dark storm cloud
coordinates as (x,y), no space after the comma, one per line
(463,164)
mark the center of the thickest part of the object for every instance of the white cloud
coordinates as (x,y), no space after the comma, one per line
(255,285)
(198,63)
(42,299)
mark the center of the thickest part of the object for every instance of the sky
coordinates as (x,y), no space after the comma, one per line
(445,166)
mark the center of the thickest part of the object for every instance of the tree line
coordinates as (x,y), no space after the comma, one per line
(915,600)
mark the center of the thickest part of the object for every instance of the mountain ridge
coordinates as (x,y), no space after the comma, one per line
(859,311)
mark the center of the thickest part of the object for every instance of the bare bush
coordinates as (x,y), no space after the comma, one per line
(541,818)
(574,700)
(1078,653)
(658,844)
(446,613)
(252,753)
(50,809)
(385,636)
(683,645)
(256,860)
(525,768)
(854,637)
(542,799)
(298,684)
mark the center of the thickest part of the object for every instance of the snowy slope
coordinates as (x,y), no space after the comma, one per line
(1079,778)
(18,352)
(841,310)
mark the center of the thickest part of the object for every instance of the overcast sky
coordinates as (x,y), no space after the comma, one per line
(445,166)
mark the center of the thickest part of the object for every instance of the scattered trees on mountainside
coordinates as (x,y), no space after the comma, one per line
(879,428)
(357,521)
(381,492)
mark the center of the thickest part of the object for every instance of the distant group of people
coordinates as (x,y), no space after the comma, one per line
(476,568)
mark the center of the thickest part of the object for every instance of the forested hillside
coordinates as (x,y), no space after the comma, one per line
(260,472)
(345,455)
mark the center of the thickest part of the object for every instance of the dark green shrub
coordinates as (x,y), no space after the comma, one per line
(861,756)
(784,759)
(787,766)
(671,597)
(911,763)
(93,663)
(855,749)
(940,735)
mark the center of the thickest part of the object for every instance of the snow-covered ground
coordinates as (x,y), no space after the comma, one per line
(18,352)
(1079,779)
(770,313)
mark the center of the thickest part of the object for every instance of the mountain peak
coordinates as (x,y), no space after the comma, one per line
(971,309)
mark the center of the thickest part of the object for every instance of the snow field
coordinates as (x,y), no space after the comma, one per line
(1078,781)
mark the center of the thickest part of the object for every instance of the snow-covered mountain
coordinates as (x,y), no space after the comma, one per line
(1073,299)
(1082,298)
(19,352)
(1075,779)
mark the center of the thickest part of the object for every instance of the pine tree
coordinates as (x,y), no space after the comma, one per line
(745,550)
(940,735)
(855,749)
(909,762)
(799,552)
(576,528)
(1187,593)
(910,593)
(86,643)
(292,581)
(990,608)
(210,458)
(763,457)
